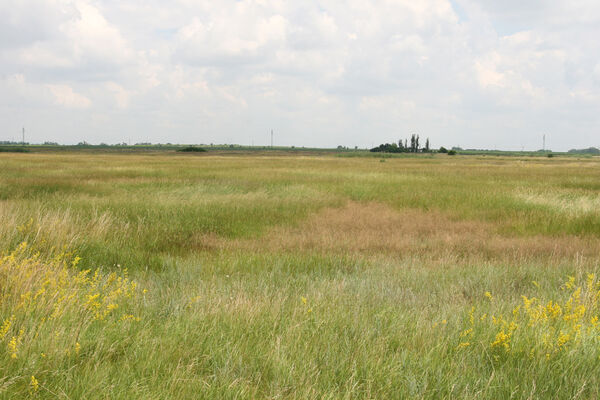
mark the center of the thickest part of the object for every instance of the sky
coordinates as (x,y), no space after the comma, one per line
(475,74)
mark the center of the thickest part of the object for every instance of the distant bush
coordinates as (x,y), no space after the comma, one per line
(443,150)
(452,152)
(387,148)
(192,149)
(589,150)
(550,155)
(13,150)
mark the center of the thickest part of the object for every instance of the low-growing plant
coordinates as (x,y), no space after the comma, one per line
(538,328)
(51,313)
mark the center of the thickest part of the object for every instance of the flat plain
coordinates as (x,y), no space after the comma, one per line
(298,277)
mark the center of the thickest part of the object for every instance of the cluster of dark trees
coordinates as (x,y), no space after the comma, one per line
(403,146)
(589,150)
(10,142)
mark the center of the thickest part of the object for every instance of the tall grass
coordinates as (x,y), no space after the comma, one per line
(298,277)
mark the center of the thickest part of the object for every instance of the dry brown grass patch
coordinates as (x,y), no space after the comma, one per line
(377,229)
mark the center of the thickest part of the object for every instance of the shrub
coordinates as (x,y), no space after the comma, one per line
(452,152)
(192,149)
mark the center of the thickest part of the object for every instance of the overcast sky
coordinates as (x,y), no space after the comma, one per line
(476,74)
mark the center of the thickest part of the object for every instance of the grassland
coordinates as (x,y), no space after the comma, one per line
(298,276)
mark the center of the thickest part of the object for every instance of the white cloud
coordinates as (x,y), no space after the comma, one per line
(65,96)
(322,73)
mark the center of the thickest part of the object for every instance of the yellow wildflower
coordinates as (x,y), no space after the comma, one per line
(34,384)
(590,280)
(502,340)
(6,326)
(563,339)
(466,332)
(570,283)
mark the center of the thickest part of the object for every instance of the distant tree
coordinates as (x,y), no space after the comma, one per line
(589,150)
(452,152)
(401,146)
(442,150)
(417,144)
(386,148)
(427,146)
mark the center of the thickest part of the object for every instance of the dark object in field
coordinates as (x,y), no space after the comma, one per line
(452,152)
(192,149)
(13,150)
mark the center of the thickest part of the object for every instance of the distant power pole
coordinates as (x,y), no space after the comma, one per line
(271,138)
(544,143)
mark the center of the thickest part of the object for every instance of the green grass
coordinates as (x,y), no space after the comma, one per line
(268,276)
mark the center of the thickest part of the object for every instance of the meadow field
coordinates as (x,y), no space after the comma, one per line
(274,276)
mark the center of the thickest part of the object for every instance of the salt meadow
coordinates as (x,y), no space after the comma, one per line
(298,276)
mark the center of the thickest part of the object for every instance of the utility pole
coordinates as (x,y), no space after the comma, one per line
(271,138)
(544,143)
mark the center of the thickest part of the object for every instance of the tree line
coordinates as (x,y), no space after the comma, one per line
(403,146)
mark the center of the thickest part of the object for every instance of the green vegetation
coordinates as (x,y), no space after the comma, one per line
(272,275)
(192,149)
(13,149)
(403,146)
(590,150)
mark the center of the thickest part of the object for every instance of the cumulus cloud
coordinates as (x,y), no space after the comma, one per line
(321,73)
(65,96)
